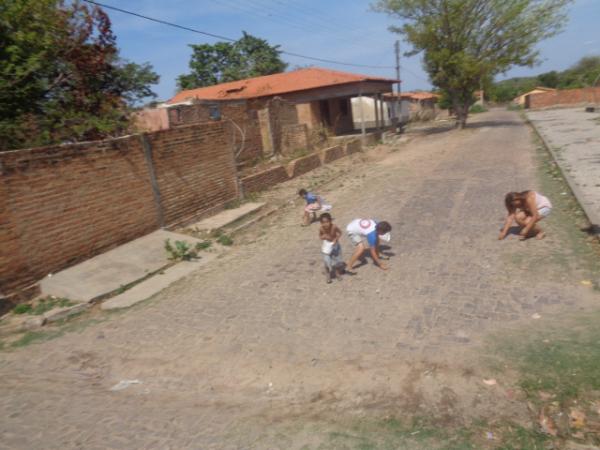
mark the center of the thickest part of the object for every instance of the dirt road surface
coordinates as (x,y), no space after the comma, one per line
(258,352)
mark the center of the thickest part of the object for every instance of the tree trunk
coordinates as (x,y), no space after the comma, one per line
(462,112)
(463,122)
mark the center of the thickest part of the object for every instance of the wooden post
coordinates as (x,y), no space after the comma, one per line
(376,106)
(363,131)
(381,109)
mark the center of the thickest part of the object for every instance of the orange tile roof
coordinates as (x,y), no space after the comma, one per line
(415,95)
(277,84)
(420,95)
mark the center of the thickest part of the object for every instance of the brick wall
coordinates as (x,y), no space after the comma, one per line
(300,166)
(195,170)
(354,146)
(67,203)
(189,114)
(332,153)
(245,118)
(308,114)
(293,138)
(264,180)
(283,117)
(63,204)
(245,135)
(563,97)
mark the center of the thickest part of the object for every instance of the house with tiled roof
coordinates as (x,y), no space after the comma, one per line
(419,105)
(522,99)
(321,97)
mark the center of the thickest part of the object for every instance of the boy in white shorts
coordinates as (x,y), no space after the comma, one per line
(366,234)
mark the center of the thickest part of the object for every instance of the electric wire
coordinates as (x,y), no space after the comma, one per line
(229,39)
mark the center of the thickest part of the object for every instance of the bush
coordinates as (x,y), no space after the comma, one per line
(225,240)
(477,109)
(181,251)
(21,309)
(204,245)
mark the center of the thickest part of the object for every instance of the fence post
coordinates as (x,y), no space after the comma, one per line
(155,190)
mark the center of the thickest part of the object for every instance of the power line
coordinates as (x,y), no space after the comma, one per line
(225,38)
(159,21)
(415,75)
(324,28)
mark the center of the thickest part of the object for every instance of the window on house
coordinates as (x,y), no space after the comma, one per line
(214,112)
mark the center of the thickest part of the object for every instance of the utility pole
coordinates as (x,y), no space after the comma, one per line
(398,89)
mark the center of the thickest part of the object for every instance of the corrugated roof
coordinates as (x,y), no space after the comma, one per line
(277,84)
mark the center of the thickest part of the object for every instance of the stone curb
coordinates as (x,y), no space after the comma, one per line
(54,315)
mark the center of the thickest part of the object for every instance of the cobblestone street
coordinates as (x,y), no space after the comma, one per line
(259,338)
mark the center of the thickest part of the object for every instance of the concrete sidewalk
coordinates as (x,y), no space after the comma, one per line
(130,263)
(227,217)
(109,271)
(573,137)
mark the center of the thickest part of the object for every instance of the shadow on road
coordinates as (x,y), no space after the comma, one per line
(438,129)
(592,230)
(494,124)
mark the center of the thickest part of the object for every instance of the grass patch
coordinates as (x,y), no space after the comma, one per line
(391,434)
(34,336)
(557,366)
(515,437)
(425,434)
(48,303)
(204,245)
(23,308)
(225,240)
(61,327)
(42,306)
(561,359)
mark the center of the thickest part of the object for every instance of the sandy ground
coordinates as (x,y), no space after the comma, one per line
(246,353)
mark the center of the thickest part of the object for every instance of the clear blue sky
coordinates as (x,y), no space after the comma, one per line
(344,30)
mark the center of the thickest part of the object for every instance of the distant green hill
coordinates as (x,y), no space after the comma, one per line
(582,74)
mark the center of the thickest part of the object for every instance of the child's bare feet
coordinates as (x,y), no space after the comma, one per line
(540,235)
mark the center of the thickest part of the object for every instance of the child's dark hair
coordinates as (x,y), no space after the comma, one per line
(302,192)
(325,216)
(511,198)
(383,227)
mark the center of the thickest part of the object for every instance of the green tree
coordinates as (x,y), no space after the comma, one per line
(467,41)
(506,90)
(549,79)
(230,61)
(581,74)
(61,78)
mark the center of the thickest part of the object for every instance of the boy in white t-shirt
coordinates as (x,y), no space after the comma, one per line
(366,234)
